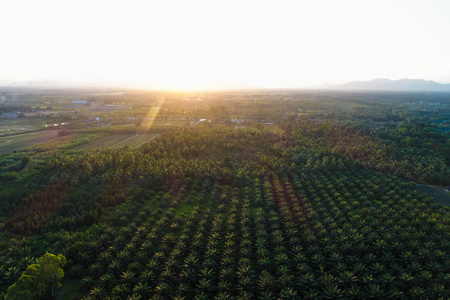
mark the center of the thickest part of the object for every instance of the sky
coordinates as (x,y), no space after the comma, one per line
(223,44)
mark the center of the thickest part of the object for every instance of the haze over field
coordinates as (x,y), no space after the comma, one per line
(383,84)
(227,44)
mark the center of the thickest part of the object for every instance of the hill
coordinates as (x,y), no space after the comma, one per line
(383,84)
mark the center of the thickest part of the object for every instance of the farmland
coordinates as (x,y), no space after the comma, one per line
(12,143)
(118,140)
(280,195)
(20,125)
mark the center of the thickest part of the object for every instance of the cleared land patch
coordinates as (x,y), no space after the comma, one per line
(137,140)
(16,142)
(436,192)
(119,140)
(18,125)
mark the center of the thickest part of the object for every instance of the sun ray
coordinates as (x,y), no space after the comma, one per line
(151,115)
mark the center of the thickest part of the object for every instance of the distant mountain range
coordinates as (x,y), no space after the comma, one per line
(378,84)
(382,84)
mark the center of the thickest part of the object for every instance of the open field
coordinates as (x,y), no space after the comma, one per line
(118,140)
(137,140)
(18,125)
(436,193)
(16,142)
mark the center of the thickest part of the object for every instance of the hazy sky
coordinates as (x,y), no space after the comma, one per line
(201,44)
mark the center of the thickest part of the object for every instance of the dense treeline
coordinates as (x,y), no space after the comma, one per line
(36,210)
(14,108)
(408,162)
(427,138)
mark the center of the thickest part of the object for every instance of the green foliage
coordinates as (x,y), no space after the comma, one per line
(319,206)
(36,210)
(35,281)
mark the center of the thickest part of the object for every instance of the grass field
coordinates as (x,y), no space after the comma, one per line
(18,125)
(438,195)
(118,140)
(16,142)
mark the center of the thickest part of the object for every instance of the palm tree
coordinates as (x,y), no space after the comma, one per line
(96,293)
(204,285)
(201,296)
(163,289)
(107,281)
(128,278)
(87,282)
(289,293)
(332,292)
(374,291)
(354,292)
(223,296)
(142,289)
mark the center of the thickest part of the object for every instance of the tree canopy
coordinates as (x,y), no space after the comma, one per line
(38,278)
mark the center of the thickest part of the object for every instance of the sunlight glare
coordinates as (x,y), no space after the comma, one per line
(151,115)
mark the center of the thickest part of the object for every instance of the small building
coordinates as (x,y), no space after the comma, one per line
(13,114)
(79,103)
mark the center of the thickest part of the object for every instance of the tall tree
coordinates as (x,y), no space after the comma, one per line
(38,278)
